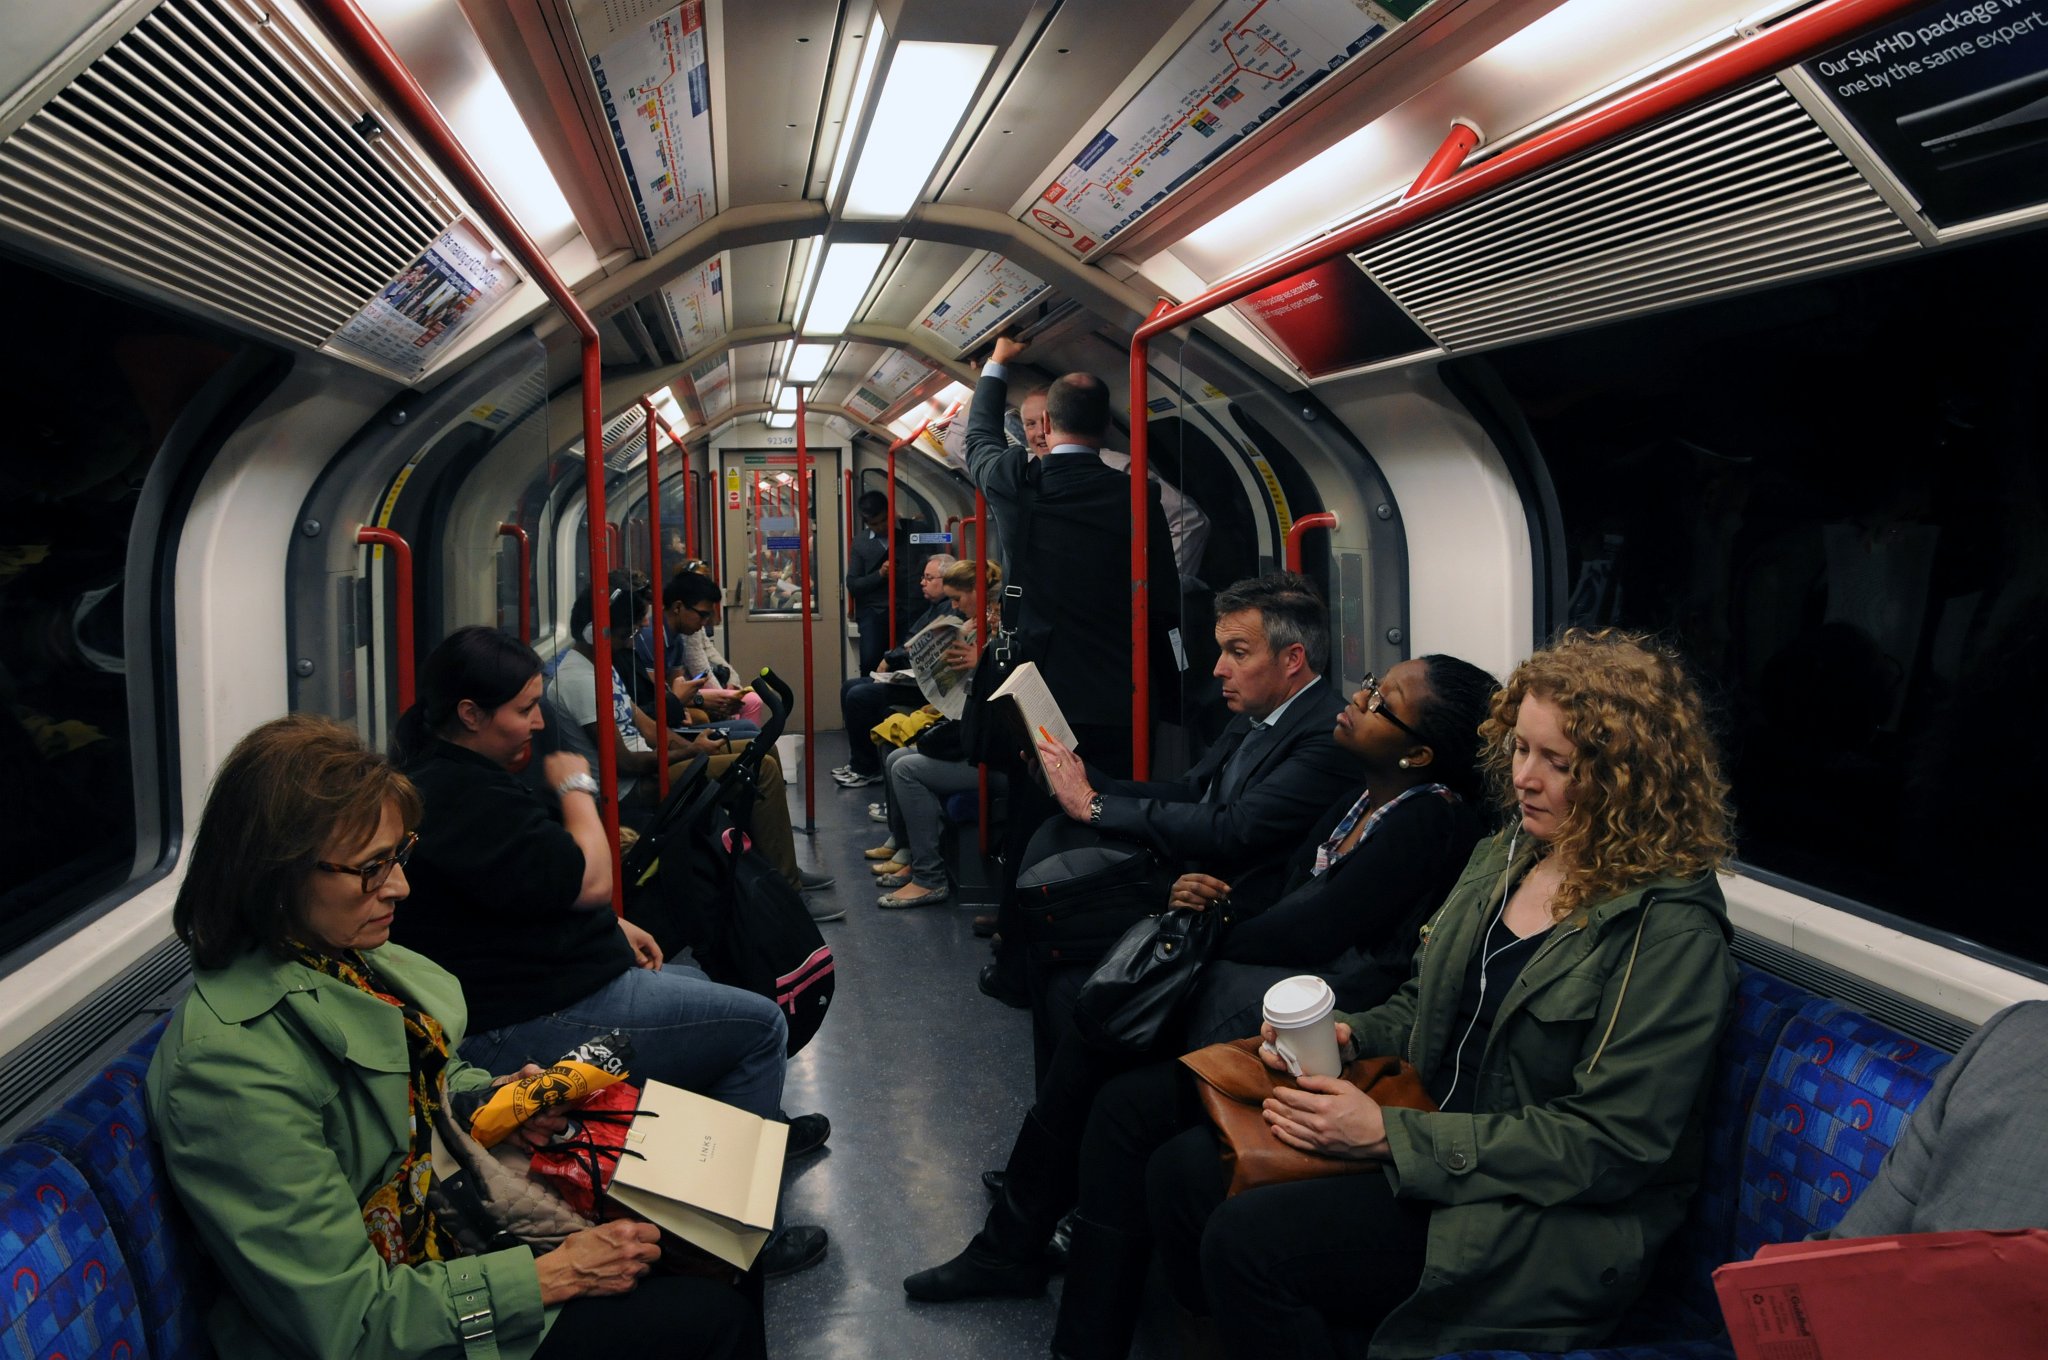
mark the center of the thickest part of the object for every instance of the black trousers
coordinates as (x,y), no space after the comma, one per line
(874,633)
(1307,1269)
(667,1317)
(863,703)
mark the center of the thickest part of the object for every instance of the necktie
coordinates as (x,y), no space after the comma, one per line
(1230,780)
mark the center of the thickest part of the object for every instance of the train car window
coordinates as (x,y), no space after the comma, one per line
(1834,498)
(774,540)
(93,385)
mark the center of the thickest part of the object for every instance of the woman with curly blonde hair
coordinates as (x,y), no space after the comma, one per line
(1563,1011)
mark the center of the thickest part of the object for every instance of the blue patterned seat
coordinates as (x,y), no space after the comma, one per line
(103,1131)
(68,1292)
(1833,1101)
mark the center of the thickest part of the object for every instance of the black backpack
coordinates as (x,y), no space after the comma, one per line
(693,880)
(1079,891)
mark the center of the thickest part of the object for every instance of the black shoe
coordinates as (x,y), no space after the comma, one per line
(1062,1242)
(977,1273)
(992,1181)
(798,1247)
(984,927)
(993,984)
(807,1133)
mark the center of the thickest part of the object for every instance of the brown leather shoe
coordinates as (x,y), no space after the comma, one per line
(984,926)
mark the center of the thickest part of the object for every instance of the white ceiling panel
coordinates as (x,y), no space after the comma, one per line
(755,284)
(849,364)
(751,366)
(776,59)
(1070,72)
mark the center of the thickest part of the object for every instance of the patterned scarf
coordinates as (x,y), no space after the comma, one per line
(1330,853)
(403,1228)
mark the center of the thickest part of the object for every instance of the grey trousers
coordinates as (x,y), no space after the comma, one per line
(918,786)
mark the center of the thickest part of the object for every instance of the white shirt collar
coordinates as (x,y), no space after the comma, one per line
(1271,718)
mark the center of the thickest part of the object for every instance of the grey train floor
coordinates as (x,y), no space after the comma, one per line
(925,1080)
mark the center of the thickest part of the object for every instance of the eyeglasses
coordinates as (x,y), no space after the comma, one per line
(375,872)
(1376,702)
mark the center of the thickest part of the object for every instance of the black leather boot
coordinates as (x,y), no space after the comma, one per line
(1007,1257)
(1105,1285)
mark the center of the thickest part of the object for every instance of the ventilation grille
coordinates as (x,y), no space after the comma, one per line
(625,440)
(1902,1013)
(31,1076)
(1742,192)
(217,160)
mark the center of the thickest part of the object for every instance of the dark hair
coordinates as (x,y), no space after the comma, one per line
(1460,697)
(1078,404)
(625,598)
(689,587)
(1290,611)
(289,790)
(480,664)
(873,503)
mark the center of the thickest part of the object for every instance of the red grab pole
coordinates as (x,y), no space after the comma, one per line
(1141,549)
(894,566)
(401,571)
(803,576)
(358,38)
(1321,519)
(1786,43)
(513,531)
(1449,157)
(657,626)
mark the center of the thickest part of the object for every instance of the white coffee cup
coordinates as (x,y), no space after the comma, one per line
(1300,1010)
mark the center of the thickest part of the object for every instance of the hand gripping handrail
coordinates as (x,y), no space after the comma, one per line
(401,573)
(515,532)
(358,38)
(1784,44)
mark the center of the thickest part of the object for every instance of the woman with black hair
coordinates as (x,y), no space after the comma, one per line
(515,900)
(1357,889)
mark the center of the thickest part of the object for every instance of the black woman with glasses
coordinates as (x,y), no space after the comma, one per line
(1358,887)
(296,1085)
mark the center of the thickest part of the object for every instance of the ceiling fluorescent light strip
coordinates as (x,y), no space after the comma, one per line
(781,420)
(849,271)
(926,94)
(808,362)
(870,55)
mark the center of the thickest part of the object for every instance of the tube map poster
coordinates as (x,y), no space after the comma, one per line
(1249,60)
(992,292)
(654,81)
(695,304)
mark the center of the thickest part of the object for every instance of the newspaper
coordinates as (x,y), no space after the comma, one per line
(944,687)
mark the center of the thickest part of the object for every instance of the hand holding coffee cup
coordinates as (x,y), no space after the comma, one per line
(1300,1027)
(1270,1056)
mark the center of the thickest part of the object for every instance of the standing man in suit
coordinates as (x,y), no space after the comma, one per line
(1065,523)
(869,578)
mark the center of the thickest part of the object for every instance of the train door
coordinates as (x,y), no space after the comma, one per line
(761,537)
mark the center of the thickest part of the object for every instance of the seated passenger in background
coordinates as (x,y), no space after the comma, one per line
(308,1045)
(699,676)
(514,898)
(573,687)
(1971,1155)
(920,779)
(1361,884)
(864,702)
(1563,1014)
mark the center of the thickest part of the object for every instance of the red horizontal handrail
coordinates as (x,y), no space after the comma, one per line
(1321,519)
(358,38)
(401,572)
(1785,44)
(513,531)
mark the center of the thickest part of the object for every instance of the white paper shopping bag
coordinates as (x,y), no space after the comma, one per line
(707,1172)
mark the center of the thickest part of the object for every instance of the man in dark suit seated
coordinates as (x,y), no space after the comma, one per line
(1245,805)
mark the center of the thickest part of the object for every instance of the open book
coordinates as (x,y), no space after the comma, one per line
(1024,705)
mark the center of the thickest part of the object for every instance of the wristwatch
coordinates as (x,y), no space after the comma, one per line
(578,783)
(1095,810)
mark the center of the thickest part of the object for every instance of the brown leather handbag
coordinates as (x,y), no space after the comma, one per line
(1234,1085)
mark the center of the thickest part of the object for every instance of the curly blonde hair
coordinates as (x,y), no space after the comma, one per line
(1647,796)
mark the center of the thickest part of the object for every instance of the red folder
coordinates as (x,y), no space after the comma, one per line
(1918,1296)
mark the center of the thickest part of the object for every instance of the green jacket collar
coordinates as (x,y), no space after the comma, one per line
(349,1023)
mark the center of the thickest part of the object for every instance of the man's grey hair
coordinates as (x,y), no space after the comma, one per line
(1289,609)
(944,560)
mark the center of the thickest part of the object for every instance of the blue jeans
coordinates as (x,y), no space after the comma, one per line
(687,1031)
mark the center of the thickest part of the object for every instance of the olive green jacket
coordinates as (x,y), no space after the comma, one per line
(279,1095)
(1551,1198)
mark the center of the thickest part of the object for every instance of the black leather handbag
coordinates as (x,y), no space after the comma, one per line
(1140,984)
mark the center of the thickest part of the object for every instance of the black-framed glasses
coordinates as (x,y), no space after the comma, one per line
(375,872)
(1376,702)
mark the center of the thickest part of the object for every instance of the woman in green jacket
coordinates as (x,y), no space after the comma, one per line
(295,1084)
(1563,1012)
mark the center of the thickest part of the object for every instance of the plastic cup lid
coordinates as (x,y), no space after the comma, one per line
(1298,1000)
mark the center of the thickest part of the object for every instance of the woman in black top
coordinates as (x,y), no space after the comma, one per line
(514,897)
(1357,891)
